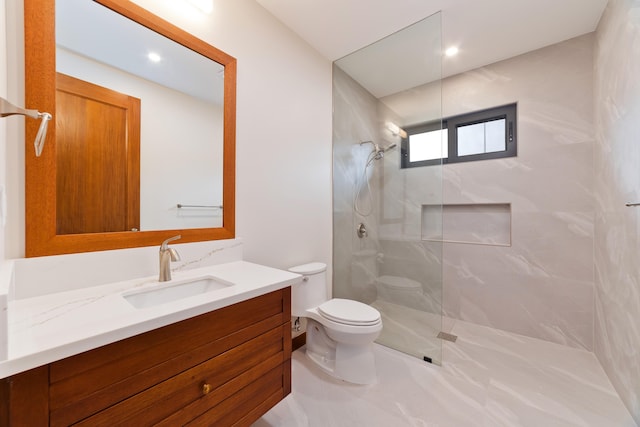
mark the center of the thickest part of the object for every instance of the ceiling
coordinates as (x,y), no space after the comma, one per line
(485,31)
(91,30)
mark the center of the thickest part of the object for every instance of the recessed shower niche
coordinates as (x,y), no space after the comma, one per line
(476,223)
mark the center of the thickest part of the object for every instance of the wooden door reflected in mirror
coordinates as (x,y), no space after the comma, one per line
(97,158)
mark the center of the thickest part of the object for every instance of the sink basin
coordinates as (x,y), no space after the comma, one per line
(171,291)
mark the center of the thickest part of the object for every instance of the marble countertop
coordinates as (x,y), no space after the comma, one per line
(47,328)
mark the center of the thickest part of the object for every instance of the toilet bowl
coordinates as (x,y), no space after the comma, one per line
(340,332)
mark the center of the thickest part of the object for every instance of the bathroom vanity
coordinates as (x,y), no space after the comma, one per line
(218,358)
(80,344)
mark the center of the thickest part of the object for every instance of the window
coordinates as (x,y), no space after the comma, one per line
(481,135)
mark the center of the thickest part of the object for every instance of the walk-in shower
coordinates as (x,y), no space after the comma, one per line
(381,255)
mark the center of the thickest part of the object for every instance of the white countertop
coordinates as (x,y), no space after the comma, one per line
(47,328)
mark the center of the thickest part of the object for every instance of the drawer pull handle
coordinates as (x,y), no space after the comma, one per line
(206,388)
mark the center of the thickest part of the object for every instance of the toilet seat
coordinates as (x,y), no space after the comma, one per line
(349,312)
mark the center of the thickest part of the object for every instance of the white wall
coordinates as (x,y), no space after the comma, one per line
(14,161)
(283,186)
(3,128)
(617,181)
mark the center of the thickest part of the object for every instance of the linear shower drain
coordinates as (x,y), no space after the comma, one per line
(447,337)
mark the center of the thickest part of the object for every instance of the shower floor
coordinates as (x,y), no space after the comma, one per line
(410,331)
(488,378)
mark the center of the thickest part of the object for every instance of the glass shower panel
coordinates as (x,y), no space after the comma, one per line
(381,256)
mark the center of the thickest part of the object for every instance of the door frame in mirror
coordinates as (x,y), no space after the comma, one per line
(40,172)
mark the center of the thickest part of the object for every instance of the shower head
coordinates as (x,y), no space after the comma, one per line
(378,152)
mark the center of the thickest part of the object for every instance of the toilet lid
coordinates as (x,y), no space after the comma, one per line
(349,312)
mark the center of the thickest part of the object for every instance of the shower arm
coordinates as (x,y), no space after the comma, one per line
(377,150)
(8,109)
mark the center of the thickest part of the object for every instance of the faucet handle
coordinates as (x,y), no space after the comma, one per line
(165,245)
(175,256)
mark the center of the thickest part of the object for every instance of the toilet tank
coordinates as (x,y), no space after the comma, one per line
(312,291)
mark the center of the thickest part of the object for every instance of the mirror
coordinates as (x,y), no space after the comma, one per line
(159,154)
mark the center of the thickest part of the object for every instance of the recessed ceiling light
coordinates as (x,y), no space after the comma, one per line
(154,57)
(452,51)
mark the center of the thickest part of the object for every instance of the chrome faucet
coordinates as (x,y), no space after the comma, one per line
(167,255)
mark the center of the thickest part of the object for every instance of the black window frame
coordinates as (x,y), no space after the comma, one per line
(507,112)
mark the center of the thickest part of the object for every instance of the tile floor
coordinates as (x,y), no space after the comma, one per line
(411,331)
(489,378)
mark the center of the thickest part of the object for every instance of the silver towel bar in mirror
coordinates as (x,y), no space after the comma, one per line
(180,206)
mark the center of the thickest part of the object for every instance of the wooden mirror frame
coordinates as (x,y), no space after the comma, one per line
(40,172)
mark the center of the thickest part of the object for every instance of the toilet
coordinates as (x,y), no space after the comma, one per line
(340,332)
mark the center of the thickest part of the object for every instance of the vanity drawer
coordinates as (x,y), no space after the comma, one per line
(173,339)
(151,376)
(242,372)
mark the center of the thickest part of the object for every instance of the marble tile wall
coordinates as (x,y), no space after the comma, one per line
(541,285)
(355,120)
(617,181)
(390,207)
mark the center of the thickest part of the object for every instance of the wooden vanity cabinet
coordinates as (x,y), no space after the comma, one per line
(227,367)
